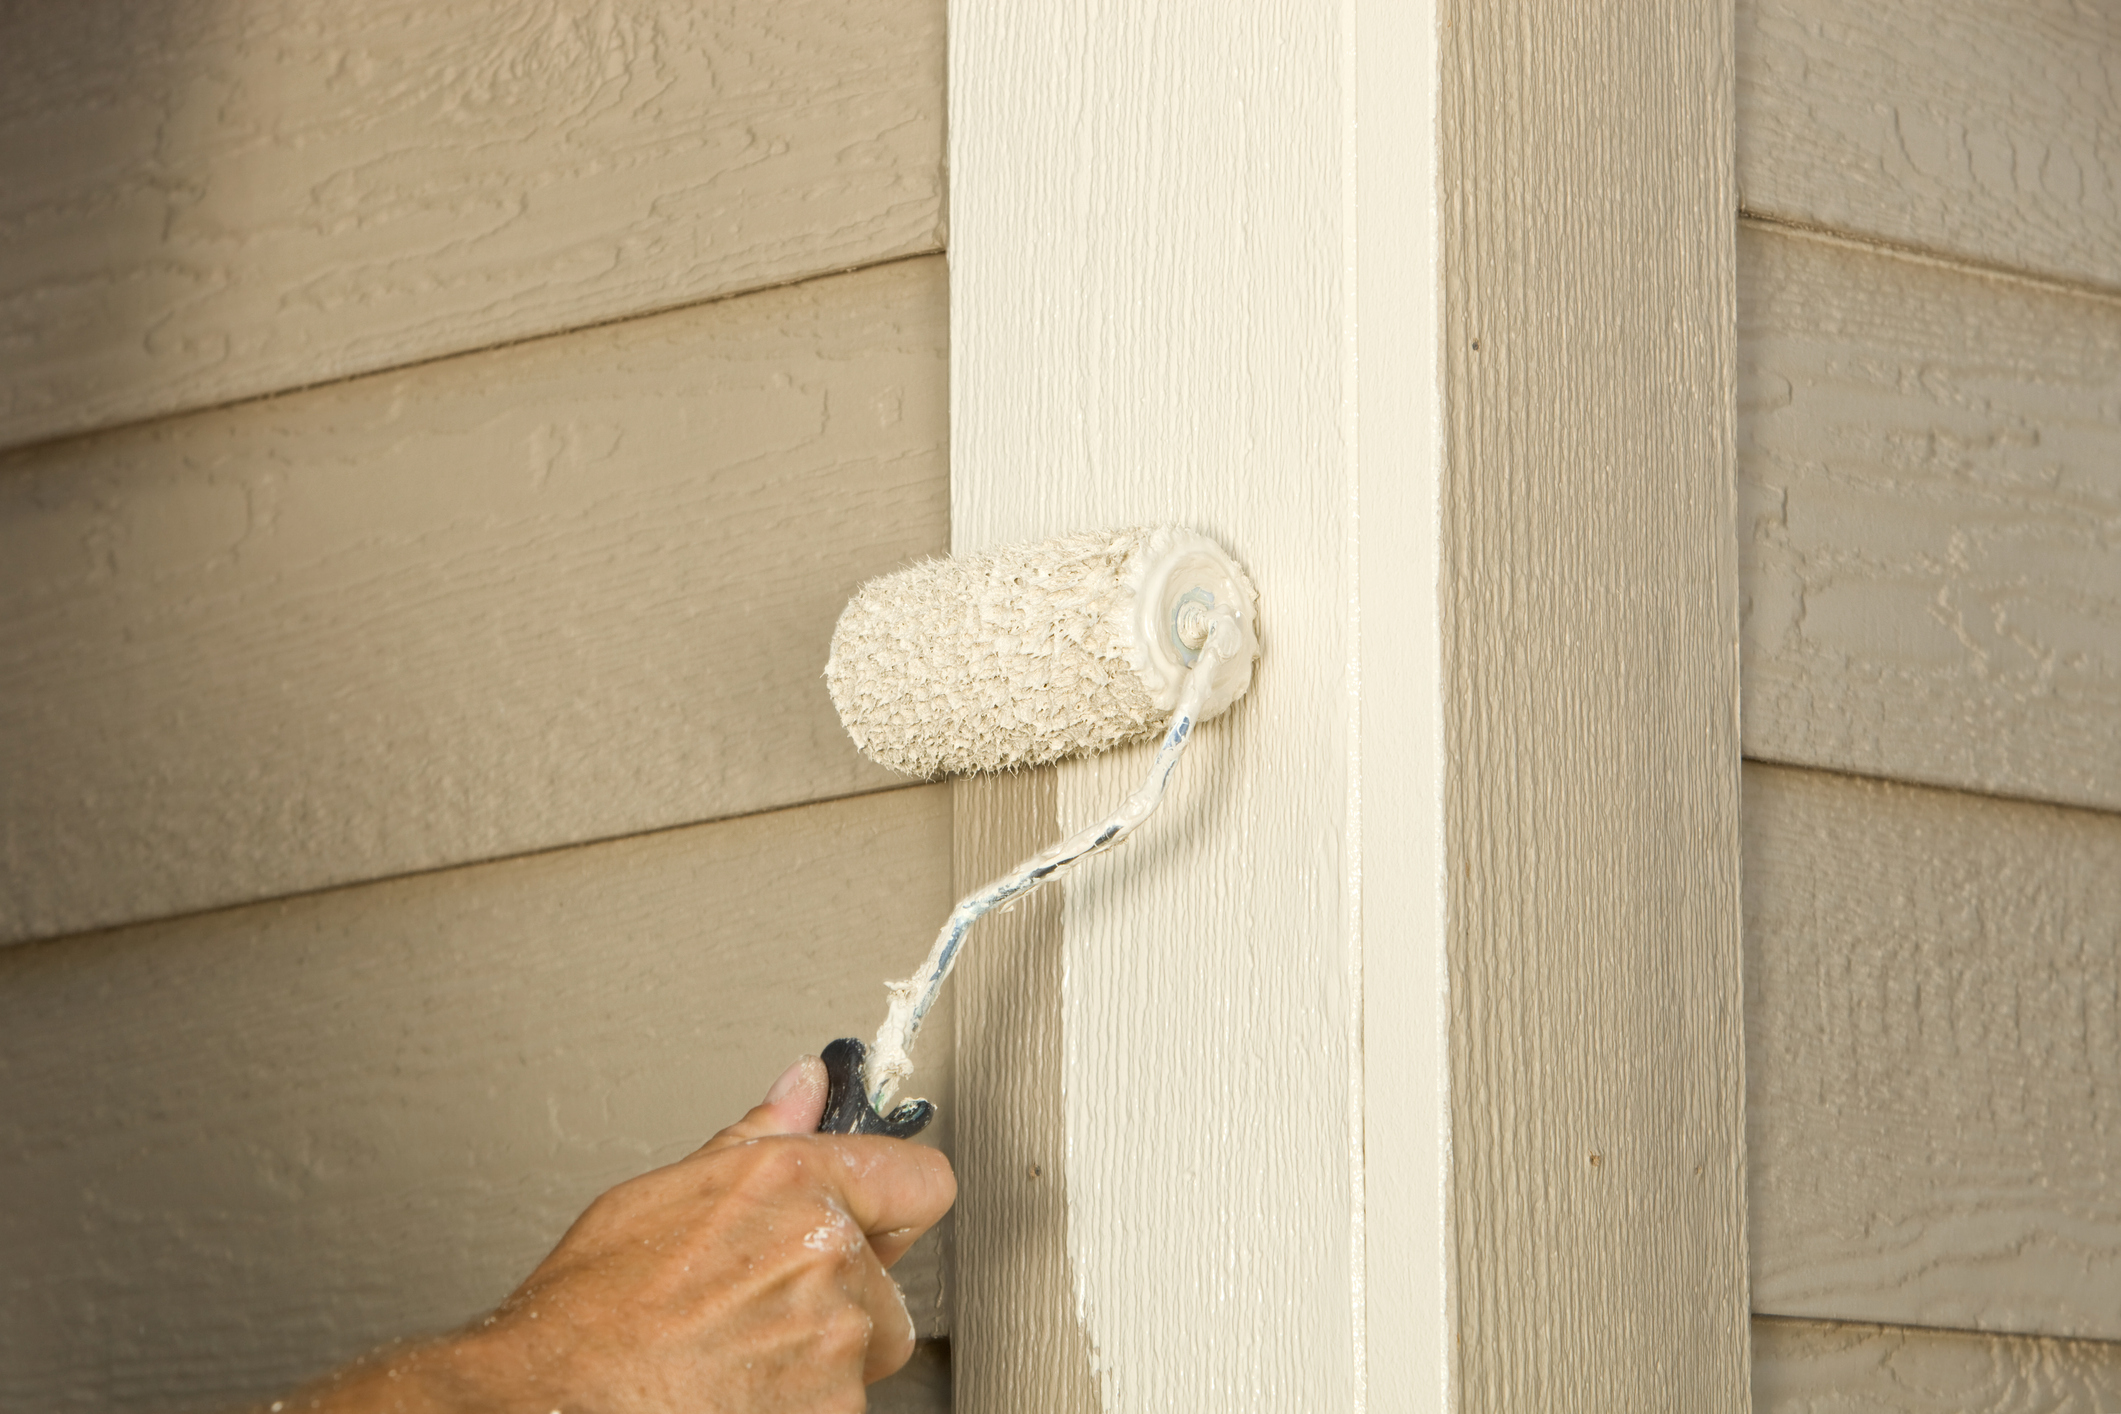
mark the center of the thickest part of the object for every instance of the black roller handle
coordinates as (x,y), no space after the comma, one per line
(847,1107)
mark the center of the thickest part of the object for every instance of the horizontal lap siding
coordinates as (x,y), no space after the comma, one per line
(1989,130)
(1806,1367)
(1930,525)
(1930,522)
(209,201)
(241,1146)
(568,590)
(505,602)
(1933,1034)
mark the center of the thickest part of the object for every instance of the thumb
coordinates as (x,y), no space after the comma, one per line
(793,1105)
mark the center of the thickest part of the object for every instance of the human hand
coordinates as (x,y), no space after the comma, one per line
(747,1277)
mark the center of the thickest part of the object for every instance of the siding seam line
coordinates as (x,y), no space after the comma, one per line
(1913,783)
(1899,1326)
(9,451)
(52,939)
(1925,255)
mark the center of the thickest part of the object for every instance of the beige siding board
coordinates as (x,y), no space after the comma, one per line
(1930,473)
(564,591)
(1807,1367)
(214,199)
(1988,131)
(1933,1056)
(242,1146)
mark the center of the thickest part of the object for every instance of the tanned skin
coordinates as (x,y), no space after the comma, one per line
(747,1278)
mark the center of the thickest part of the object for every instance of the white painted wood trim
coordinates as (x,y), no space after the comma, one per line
(1398,1063)
(1396,836)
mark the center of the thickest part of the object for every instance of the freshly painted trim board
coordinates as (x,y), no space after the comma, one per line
(1817,1367)
(1019,1343)
(240,1147)
(1983,131)
(1930,466)
(1933,1056)
(569,590)
(213,199)
(1228,268)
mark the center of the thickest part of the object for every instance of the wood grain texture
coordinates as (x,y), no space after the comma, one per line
(1933,1033)
(1159,311)
(1990,132)
(1930,463)
(219,198)
(1019,1343)
(1807,1367)
(1146,325)
(241,1147)
(564,591)
(1590,697)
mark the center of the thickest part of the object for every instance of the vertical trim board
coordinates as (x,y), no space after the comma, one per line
(1186,287)
(1933,1035)
(1986,131)
(214,199)
(563,591)
(1931,470)
(1395,831)
(1590,695)
(244,1146)
(1146,326)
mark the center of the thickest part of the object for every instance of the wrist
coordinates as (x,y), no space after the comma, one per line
(479,1371)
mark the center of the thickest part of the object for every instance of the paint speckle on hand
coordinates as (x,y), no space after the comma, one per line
(835,1231)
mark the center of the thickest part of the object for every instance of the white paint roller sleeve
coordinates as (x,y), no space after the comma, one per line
(1036,652)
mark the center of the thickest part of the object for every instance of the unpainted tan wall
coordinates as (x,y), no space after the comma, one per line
(434,444)
(1930,524)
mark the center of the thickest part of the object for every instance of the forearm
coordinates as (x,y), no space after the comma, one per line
(477,1371)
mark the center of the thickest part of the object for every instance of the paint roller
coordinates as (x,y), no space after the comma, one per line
(1020,657)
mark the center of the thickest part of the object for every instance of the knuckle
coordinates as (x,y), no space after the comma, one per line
(615,1205)
(767,1167)
(843,1336)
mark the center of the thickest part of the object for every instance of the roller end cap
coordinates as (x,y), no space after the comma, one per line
(847,1107)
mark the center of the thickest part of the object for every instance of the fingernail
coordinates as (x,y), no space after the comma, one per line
(790,1078)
